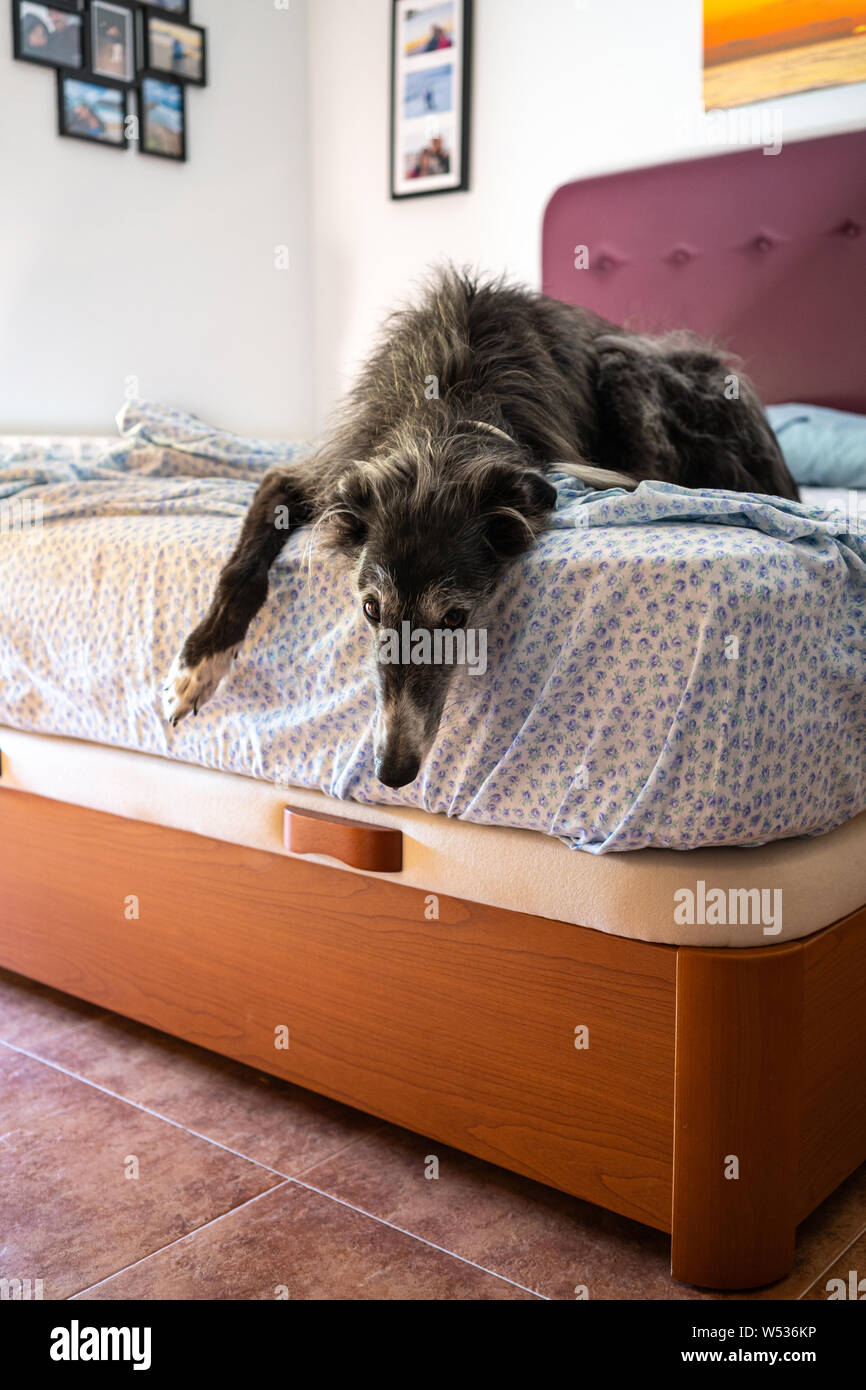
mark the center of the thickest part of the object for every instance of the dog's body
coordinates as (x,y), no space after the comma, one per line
(435,476)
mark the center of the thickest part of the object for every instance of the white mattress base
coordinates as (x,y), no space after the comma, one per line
(809,883)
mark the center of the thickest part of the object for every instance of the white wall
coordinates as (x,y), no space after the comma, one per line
(562,89)
(114,264)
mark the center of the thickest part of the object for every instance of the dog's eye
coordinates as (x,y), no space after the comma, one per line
(455,617)
(372,610)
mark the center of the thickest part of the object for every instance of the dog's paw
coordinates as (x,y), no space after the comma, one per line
(189,687)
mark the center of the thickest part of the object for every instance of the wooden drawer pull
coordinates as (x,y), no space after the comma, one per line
(378,848)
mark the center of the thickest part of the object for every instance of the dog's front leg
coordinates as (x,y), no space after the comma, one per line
(280,506)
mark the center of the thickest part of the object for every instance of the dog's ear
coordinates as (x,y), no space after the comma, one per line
(514,504)
(345,522)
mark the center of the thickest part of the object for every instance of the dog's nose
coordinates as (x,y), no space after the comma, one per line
(396,771)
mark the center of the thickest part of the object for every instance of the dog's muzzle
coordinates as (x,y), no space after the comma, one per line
(396,769)
(401,742)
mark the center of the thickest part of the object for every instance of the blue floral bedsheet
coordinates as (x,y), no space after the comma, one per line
(671,667)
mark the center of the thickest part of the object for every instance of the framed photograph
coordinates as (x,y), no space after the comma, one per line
(47,34)
(112,40)
(174,49)
(92,109)
(162,118)
(178,8)
(431,63)
(761,52)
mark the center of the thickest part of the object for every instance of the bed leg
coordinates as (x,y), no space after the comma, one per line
(736,1115)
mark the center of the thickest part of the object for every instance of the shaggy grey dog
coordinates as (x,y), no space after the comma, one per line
(434,477)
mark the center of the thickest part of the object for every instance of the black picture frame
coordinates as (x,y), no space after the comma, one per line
(65,75)
(48,62)
(404,66)
(182,16)
(91,117)
(131,9)
(179,158)
(148,67)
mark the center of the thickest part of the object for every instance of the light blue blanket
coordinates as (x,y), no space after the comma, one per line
(673,668)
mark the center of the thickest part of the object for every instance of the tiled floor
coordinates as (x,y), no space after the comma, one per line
(136,1166)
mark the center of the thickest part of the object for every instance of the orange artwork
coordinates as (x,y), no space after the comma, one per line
(758,49)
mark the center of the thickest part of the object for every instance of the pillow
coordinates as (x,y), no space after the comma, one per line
(822,448)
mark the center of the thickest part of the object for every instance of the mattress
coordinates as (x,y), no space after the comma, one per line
(669,669)
(805,884)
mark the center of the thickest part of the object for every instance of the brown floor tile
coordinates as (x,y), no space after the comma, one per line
(541,1238)
(544,1239)
(264,1118)
(32,1092)
(314,1248)
(69,1215)
(850,1268)
(30,1012)
(528,1233)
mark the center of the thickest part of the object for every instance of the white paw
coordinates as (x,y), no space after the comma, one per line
(188,687)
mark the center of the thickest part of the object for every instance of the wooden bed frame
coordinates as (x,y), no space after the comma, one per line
(464,1028)
(721,1093)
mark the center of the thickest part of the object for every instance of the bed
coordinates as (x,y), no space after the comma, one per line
(632,1027)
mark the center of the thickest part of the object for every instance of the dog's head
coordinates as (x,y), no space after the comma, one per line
(429,529)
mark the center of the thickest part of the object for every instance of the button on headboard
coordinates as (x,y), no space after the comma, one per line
(764,253)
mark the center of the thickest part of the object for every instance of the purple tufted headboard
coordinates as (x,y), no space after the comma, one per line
(764,253)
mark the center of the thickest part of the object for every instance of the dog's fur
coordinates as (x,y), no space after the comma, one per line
(434,478)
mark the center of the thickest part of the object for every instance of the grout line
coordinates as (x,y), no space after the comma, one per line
(186,1236)
(320,1162)
(835,1260)
(286,1177)
(464,1259)
(136,1105)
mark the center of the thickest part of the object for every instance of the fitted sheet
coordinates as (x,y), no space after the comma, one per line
(812,882)
(669,668)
